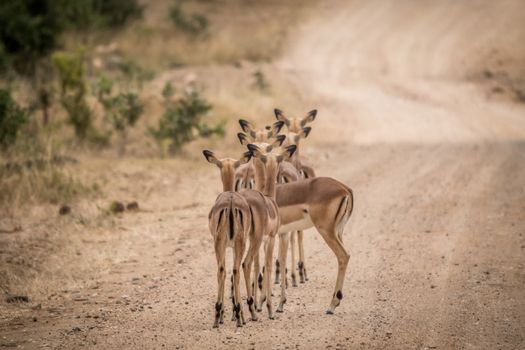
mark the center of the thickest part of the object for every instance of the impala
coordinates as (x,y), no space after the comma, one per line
(265,222)
(295,127)
(229,221)
(320,202)
(288,172)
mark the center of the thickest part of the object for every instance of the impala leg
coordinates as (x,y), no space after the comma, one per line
(247,269)
(237,257)
(268,275)
(283,249)
(302,269)
(231,298)
(277,268)
(332,239)
(258,277)
(293,236)
(221,279)
(264,277)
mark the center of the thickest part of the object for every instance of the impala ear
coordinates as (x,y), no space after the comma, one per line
(305,132)
(254,149)
(246,156)
(210,157)
(280,116)
(302,134)
(245,125)
(243,139)
(310,117)
(286,153)
(275,128)
(279,139)
(289,151)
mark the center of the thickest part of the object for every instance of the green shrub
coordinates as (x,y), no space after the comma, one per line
(12,119)
(260,81)
(168,91)
(4,60)
(121,110)
(194,24)
(30,29)
(182,121)
(133,74)
(116,13)
(73,90)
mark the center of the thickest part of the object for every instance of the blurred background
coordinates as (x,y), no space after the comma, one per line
(105,107)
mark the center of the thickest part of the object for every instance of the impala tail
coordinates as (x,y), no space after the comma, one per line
(343,213)
(231,221)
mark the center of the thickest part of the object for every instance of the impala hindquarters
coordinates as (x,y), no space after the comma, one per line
(230,223)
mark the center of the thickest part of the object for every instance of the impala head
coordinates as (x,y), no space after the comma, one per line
(293,138)
(276,140)
(261,135)
(271,156)
(227,167)
(297,123)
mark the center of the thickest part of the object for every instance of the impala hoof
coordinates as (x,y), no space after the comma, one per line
(329,312)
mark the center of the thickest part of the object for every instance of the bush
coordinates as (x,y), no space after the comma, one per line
(116,13)
(260,81)
(134,74)
(73,90)
(193,24)
(31,29)
(182,122)
(12,119)
(121,110)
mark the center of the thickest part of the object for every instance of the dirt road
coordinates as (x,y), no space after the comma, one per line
(436,159)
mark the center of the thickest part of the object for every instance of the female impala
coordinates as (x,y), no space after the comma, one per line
(287,173)
(267,166)
(295,127)
(321,202)
(265,222)
(230,221)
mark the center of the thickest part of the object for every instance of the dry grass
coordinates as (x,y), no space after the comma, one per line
(34,178)
(238,30)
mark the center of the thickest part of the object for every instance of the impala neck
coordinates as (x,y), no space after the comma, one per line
(228,179)
(271,169)
(294,159)
(259,176)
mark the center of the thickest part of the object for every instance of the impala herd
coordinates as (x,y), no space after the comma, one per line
(271,191)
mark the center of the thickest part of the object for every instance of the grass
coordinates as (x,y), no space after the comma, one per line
(235,31)
(33,173)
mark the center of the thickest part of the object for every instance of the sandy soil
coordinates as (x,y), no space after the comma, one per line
(435,156)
